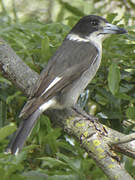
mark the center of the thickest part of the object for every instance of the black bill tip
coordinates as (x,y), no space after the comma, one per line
(121,31)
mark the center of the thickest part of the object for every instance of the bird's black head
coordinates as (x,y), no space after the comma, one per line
(87,25)
(96,25)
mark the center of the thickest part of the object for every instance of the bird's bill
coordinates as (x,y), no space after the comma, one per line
(113,29)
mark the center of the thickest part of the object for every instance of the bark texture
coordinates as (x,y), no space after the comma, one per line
(97,139)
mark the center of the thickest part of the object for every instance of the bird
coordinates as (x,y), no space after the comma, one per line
(66,75)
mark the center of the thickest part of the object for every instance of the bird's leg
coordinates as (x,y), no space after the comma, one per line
(81,112)
(99,127)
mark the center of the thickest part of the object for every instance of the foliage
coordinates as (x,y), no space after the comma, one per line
(57,156)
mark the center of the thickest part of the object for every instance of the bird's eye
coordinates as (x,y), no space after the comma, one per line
(94,23)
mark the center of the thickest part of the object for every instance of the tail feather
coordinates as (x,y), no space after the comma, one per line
(22,133)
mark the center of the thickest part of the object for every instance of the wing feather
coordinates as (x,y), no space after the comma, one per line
(62,65)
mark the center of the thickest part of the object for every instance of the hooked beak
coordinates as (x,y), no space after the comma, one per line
(113,29)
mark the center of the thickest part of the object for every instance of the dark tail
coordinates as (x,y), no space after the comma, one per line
(22,133)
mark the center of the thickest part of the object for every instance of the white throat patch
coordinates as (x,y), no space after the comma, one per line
(94,38)
(74,37)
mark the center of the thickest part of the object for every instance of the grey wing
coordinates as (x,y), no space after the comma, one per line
(63,59)
(68,71)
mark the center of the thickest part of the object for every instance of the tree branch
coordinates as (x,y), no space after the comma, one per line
(14,69)
(125,139)
(93,136)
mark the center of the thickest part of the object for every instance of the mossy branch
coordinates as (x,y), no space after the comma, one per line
(93,136)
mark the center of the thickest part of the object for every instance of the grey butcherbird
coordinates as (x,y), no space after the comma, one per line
(67,73)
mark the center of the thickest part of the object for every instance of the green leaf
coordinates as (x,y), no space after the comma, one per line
(3,113)
(111,17)
(130,112)
(7,130)
(45,48)
(124,96)
(74,164)
(35,174)
(52,162)
(113,78)
(3,80)
(12,97)
(71,8)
